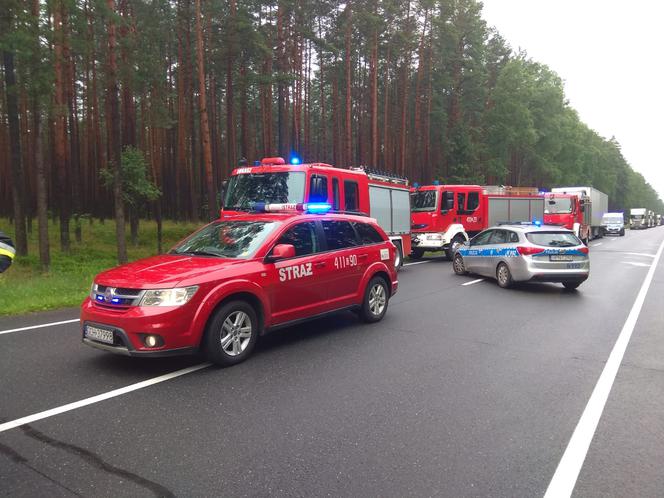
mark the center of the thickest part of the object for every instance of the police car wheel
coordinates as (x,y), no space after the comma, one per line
(571,285)
(458,266)
(376,297)
(231,334)
(417,253)
(452,249)
(503,276)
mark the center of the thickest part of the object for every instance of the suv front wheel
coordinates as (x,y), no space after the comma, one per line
(376,297)
(231,333)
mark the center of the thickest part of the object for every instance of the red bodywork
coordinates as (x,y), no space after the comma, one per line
(567,219)
(469,210)
(277,302)
(338,181)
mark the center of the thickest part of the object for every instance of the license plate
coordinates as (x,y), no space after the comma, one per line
(561,257)
(97,334)
(574,266)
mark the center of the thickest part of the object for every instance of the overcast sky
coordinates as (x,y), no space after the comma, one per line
(610,53)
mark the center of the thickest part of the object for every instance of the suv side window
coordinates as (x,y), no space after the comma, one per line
(351,196)
(482,239)
(303,237)
(514,237)
(339,235)
(367,233)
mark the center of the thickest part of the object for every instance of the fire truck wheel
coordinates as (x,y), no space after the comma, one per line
(231,333)
(458,266)
(503,276)
(417,253)
(457,242)
(398,257)
(376,297)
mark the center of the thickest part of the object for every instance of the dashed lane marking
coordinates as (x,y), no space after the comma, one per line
(595,245)
(37,326)
(100,397)
(474,281)
(635,263)
(564,479)
(641,254)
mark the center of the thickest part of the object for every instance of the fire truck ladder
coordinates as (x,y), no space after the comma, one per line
(383,176)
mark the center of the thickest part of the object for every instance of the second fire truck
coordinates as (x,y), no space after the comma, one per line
(445,216)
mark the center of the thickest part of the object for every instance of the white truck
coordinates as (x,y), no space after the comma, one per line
(638,218)
(595,204)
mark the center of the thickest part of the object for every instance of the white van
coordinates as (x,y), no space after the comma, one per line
(613,223)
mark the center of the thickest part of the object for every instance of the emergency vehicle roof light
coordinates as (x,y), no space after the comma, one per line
(537,222)
(272,160)
(436,182)
(257,163)
(295,159)
(416,185)
(318,207)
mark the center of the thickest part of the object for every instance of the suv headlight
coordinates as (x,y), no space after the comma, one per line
(168,297)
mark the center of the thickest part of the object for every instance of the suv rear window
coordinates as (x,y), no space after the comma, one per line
(367,233)
(553,239)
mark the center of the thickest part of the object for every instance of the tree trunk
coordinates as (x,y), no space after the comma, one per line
(114,136)
(205,128)
(373,77)
(14,142)
(348,140)
(60,126)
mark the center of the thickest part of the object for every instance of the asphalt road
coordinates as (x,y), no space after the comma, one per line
(462,390)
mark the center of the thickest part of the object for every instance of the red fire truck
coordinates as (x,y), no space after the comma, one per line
(444,216)
(356,190)
(579,209)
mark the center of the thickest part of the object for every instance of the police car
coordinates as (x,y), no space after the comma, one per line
(525,252)
(236,278)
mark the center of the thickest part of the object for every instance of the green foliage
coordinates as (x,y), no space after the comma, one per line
(23,288)
(137,189)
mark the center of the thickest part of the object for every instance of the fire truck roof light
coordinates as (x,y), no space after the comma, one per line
(273,160)
(295,160)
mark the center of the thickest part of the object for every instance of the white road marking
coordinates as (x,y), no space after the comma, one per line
(474,281)
(100,397)
(641,254)
(418,263)
(635,263)
(612,240)
(595,245)
(564,479)
(37,326)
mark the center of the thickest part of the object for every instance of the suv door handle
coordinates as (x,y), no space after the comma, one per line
(320,264)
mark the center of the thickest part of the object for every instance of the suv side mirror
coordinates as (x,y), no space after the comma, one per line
(281,251)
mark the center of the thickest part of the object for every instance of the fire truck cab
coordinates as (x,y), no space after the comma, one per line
(445,216)
(382,196)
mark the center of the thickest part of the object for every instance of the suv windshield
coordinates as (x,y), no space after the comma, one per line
(226,239)
(423,200)
(553,239)
(555,205)
(264,187)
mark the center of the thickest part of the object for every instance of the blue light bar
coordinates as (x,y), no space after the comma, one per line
(318,207)
(416,185)
(295,160)
(537,222)
(436,182)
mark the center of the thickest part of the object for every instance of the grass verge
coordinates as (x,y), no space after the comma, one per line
(24,288)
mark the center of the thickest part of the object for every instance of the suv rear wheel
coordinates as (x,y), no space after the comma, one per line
(231,333)
(376,297)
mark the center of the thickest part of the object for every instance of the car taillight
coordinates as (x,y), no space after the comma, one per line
(584,250)
(528,251)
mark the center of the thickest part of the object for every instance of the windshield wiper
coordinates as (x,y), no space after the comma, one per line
(200,253)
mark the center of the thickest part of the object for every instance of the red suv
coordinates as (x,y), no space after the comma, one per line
(233,280)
